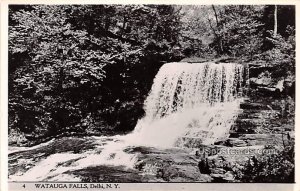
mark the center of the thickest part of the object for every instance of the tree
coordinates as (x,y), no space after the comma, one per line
(70,64)
(239,30)
(58,60)
(219,38)
(275,21)
(196,30)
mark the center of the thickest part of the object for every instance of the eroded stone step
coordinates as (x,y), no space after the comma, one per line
(259,126)
(276,139)
(255,106)
(260,114)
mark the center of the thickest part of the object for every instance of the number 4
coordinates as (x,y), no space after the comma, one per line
(23,186)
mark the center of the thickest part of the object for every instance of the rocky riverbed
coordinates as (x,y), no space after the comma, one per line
(75,159)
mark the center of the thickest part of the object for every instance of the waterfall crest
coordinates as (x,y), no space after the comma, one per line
(180,86)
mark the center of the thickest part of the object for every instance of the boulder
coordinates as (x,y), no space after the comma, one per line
(229,176)
(265,81)
(291,135)
(289,87)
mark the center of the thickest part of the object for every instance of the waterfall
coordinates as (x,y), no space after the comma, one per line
(191,104)
(188,105)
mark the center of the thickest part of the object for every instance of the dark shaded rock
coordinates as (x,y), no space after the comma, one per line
(289,88)
(269,91)
(227,60)
(189,173)
(153,150)
(203,166)
(254,106)
(256,69)
(233,134)
(107,174)
(235,142)
(222,176)
(242,129)
(144,150)
(218,171)
(248,122)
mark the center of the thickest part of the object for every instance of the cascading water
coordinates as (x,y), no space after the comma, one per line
(188,105)
(191,104)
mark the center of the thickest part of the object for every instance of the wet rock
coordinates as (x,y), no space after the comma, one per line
(289,87)
(240,129)
(263,139)
(268,91)
(266,81)
(248,122)
(20,161)
(169,165)
(249,114)
(217,176)
(257,69)
(190,173)
(229,176)
(235,142)
(291,135)
(265,85)
(223,177)
(218,171)
(254,106)
(107,174)
(259,114)
(203,166)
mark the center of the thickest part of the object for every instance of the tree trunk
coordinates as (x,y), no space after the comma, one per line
(216,15)
(275,21)
(218,37)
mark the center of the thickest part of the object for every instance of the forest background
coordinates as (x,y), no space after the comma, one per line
(87,69)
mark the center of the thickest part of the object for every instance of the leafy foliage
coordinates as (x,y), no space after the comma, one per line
(282,55)
(195,31)
(73,67)
(239,28)
(277,167)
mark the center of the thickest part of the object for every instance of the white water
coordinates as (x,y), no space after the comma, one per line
(191,104)
(188,105)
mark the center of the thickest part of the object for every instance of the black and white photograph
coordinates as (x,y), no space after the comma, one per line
(151,93)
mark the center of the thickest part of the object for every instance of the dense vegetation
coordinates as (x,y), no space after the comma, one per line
(88,68)
(278,167)
(74,68)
